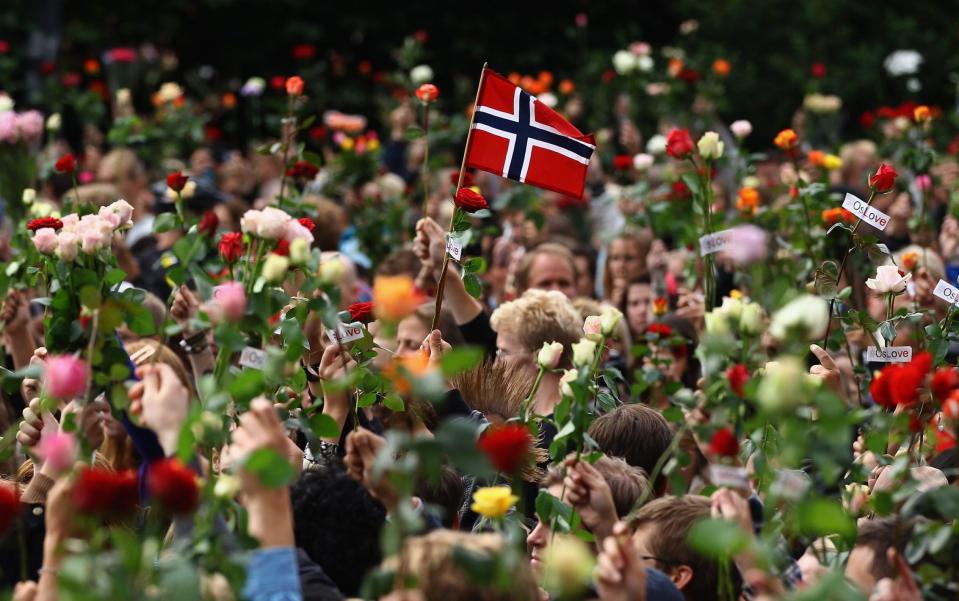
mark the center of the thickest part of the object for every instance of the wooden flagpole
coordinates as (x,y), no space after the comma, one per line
(441,286)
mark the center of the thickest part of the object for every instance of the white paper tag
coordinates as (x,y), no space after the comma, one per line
(946,292)
(870,215)
(346,333)
(911,289)
(789,484)
(712,243)
(729,476)
(253,357)
(454,248)
(890,354)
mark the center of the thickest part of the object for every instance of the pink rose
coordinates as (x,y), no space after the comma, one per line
(30,125)
(91,241)
(67,246)
(592,328)
(231,297)
(9,132)
(272,224)
(45,239)
(124,210)
(296,230)
(108,216)
(65,377)
(59,450)
(923,183)
(250,221)
(69,222)
(747,244)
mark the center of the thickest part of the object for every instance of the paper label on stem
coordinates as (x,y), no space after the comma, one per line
(729,476)
(869,214)
(346,333)
(789,484)
(946,292)
(890,354)
(713,243)
(454,248)
(253,358)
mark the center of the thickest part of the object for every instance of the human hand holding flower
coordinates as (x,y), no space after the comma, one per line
(591,496)
(620,574)
(362,447)
(160,400)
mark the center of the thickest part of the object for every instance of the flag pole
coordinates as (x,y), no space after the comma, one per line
(441,285)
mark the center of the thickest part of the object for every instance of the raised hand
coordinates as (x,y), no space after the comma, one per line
(160,400)
(590,495)
(620,575)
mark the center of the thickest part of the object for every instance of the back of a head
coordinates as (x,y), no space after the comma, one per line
(329,219)
(671,519)
(880,535)
(635,432)
(538,317)
(338,524)
(439,576)
(626,482)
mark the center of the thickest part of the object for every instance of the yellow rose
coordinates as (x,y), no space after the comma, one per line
(493,501)
(831,162)
(274,268)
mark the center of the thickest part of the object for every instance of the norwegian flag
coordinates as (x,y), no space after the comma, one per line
(517,136)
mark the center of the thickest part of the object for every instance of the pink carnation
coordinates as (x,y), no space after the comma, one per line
(65,377)
(30,125)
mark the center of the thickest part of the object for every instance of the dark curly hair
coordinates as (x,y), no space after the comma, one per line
(337,523)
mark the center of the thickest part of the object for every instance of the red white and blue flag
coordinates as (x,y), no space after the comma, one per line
(517,136)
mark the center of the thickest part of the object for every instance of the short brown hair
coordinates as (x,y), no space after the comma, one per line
(626,483)
(880,535)
(635,432)
(329,219)
(546,248)
(672,518)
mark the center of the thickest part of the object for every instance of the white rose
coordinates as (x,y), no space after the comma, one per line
(716,323)
(710,147)
(123,96)
(656,144)
(592,328)
(250,221)
(68,245)
(568,376)
(732,308)
(332,271)
(807,313)
(741,128)
(169,92)
(624,61)
(548,99)
(785,385)
(644,63)
(123,210)
(29,195)
(609,320)
(6,103)
(550,355)
(643,161)
(272,224)
(227,486)
(888,280)
(274,269)
(421,74)
(903,62)
(299,251)
(753,319)
(583,352)
(54,122)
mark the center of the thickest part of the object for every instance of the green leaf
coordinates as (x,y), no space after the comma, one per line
(475,265)
(414,133)
(324,426)
(473,285)
(90,297)
(718,538)
(273,470)
(366,399)
(247,385)
(460,359)
(394,402)
(114,276)
(822,517)
(164,222)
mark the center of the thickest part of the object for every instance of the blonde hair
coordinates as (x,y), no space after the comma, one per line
(143,351)
(431,561)
(538,317)
(120,163)
(927,258)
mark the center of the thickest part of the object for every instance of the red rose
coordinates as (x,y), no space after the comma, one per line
(294,85)
(99,491)
(469,201)
(427,93)
(4,46)
(622,162)
(950,406)
(9,505)
(282,248)
(121,55)
(307,223)
(277,82)
(361,312)
(679,190)
(66,164)
(42,222)
(173,486)
(208,224)
(724,443)
(867,119)
(507,446)
(467,179)
(737,376)
(883,179)
(176,181)
(317,132)
(817,70)
(303,51)
(944,381)
(945,439)
(899,384)
(660,329)
(302,169)
(231,247)
(70,79)
(678,144)
(879,388)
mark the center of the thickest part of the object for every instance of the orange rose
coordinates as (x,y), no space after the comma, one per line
(786,139)
(675,67)
(910,260)
(395,297)
(816,157)
(922,114)
(401,370)
(567,87)
(748,201)
(721,67)
(294,85)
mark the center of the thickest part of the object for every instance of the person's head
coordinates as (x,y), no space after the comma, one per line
(868,561)
(522,326)
(635,432)
(123,169)
(682,364)
(636,304)
(627,258)
(584,257)
(549,266)
(445,494)
(431,562)
(413,330)
(330,220)
(337,523)
(146,351)
(660,529)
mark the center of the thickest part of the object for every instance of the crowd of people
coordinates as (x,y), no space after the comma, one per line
(585,405)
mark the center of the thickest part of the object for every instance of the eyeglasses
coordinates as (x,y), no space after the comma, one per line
(657,560)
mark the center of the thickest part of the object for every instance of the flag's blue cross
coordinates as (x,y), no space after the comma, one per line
(524,131)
